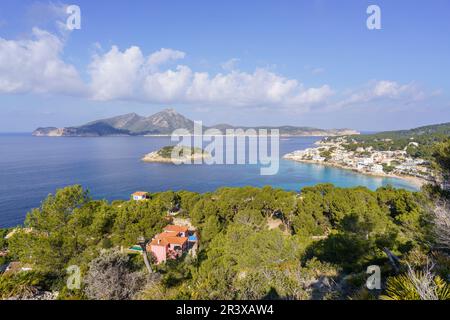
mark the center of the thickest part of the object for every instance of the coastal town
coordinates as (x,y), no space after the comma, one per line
(394,163)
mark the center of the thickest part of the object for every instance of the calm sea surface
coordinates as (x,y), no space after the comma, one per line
(110,167)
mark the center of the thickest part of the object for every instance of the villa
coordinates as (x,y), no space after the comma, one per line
(140,195)
(172,243)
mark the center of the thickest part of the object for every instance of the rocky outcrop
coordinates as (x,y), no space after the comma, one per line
(36,295)
(48,132)
(182,155)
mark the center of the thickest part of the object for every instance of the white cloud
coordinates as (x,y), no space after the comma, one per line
(167,86)
(49,16)
(129,75)
(162,56)
(35,65)
(380,93)
(385,89)
(230,64)
(115,75)
(390,89)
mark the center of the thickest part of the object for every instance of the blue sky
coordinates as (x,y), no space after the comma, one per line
(262,62)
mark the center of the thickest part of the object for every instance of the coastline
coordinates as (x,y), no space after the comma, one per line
(282,135)
(416,181)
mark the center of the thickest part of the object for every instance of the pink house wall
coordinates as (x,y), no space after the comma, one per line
(160,253)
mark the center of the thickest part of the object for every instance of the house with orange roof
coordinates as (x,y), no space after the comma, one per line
(140,195)
(181,230)
(172,243)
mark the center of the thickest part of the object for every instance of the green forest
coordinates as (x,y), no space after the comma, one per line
(255,243)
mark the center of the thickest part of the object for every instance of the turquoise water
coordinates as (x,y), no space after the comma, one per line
(110,167)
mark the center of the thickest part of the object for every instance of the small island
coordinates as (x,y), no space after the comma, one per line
(176,154)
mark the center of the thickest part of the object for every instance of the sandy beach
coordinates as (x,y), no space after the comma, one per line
(418,182)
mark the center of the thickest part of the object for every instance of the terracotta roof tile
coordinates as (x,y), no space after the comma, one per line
(140,193)
(174,228)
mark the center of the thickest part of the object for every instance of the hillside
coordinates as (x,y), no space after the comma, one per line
(442,129)
(255,243)
(418,141)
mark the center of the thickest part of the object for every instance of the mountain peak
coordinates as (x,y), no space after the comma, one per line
(169,111)
(169,120)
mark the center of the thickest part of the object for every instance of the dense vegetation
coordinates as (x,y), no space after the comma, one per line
(320,247)
(254,244)
(166,152)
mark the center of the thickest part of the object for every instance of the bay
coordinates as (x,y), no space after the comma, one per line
(110,167)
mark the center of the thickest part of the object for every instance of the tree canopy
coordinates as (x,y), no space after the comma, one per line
(255,243)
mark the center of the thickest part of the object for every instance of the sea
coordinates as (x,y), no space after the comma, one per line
(111,168)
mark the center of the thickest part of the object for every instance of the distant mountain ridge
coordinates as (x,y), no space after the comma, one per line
(164,123)
(430,133)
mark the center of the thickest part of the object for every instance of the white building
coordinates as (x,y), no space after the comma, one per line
(318,158)
(366,161)
(376,168)
(140,195)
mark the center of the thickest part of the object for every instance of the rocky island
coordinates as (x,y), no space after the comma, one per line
(176,155)
(163,124)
